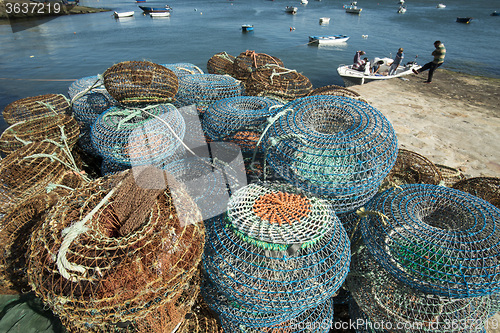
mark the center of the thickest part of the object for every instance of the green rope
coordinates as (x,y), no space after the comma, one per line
(224,55)
(83,92)
(53,186)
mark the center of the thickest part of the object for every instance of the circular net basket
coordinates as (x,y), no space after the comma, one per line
(450,175)
(334,90)
(206,89)
(363,324)
(113,252)
(436,239)
(181,69)
(487,188)
(412,168)
(51,127)
(132,136)
(35,107)
(249,61)
(221,63)
(402,309)
(31,169)
(109,167)
(277,250)
(132,82)
(272,80)
(333,146)
(238,120)
(89,98)
(316,320)
(200,320)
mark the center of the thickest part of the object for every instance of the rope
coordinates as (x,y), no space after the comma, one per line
(83,92)
(225,55)
(274,73)
(363,213)
(71,233)
(44,80)
(52,187)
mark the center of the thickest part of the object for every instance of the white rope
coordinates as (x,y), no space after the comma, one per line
(86,90)
(70,234)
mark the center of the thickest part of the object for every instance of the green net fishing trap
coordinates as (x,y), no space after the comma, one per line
(247,62)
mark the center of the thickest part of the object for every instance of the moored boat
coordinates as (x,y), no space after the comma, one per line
(355,77)
(148,10)
(123,14)
(246,27)
(159,14)
(291,9)
(353,8)
(441,5)
(324,20)
(402,9)
(465,20)
(495,13)
(304,2)
(328,40)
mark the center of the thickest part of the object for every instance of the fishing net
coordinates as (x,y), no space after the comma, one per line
(276,252)
(487,188)
(109,167)
(400,308)
(206,89)
(132,82)
(89,98)
(273,80)
(238,120)
(363,323)
(316,320)
(16,227)
(412,168)
(35,107)
(114,251)
(333,146)
(31,169)
(435,239)
(200,320)
(133,136)
(249,61)
(221,63)
(351,222)
(85,141)
(51,127)
(450,175)
(334,90)
(183,68)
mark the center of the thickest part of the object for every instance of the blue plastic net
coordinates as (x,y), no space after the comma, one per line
(276,251)
(238,120)
(132,136)
(183,68)
(333,146)
(89,99)
(436,239)
(206,89)
(109,167)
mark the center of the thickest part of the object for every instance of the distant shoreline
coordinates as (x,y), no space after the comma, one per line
(29,9)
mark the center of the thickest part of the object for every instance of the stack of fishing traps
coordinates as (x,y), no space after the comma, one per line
(431,262)
(274,260)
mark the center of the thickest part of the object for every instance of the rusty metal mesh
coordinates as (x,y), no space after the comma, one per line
(132,82)
(112,252)
(50,127)
(35,107)
(335,90)
(412,168)
(450,175)
(249,61)
(487,188)
(200,320)
(32,168)
(274,80)
(221,63)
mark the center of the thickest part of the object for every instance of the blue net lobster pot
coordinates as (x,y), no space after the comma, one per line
(89,99)
(109,167)
(400,308)
(363,324)
(133,136)
(333,146)
(238,119)
(436,239)
(183,68)
(206,89)
(276,250)
(316,320)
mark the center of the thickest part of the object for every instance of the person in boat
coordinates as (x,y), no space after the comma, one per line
(438,60)
(376,66)
(358,62)
(397,60)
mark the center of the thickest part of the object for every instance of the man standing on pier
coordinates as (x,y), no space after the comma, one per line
(438,54)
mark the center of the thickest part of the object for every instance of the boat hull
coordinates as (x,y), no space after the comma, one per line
(328,40)
(353,77)
(148,10)
(124,14)
(159,14)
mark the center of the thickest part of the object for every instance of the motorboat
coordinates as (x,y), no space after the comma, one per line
(159,14)
(123,14)
(401,2)
(355,77)
(465,20)
(148,10)
(291,10)
(304,2)
(246,27)
(495,13)
(353,8)
(328,40)
(402,9)
(324,20)
(441,5)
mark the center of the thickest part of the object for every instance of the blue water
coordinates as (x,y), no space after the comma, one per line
(71,47)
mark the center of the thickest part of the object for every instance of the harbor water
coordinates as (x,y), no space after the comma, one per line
(40,56)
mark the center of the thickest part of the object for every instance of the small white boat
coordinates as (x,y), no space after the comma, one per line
(159,14)
(123,14)
(402,10)
(324,20)
(354,77)
(353,8)
(328,40)
(304,2)
(401,2)
(291,10)
(441,5)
